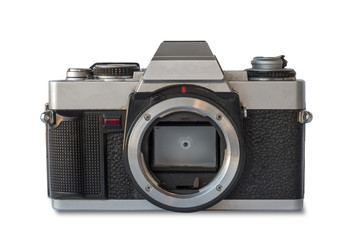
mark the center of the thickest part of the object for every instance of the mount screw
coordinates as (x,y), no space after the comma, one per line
(148,188)
(147,117)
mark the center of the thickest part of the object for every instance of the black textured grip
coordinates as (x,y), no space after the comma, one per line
(65,148)
(75,158)
(120,185)
(274,165)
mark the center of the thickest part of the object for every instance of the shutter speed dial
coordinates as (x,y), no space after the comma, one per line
(114,70)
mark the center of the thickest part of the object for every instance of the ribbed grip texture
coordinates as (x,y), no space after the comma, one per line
(271,74)
(274,166)
(120,185)
(75,157)
(113,72)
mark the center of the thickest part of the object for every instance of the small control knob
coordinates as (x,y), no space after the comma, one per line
(270,68)
(114,70)
(78,74)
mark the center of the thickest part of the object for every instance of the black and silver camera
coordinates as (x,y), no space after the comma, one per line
(182,135)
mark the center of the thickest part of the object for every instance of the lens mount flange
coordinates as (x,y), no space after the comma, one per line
(206,196)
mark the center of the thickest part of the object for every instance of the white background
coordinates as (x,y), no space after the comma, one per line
(41,39)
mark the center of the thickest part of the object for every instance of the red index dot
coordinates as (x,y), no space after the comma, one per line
(183,89)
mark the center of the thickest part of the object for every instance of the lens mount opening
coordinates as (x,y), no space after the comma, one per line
(183,151)
(146,181)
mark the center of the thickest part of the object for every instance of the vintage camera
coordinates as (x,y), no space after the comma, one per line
(182,135)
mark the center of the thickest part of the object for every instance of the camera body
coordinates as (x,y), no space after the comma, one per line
(182,135)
